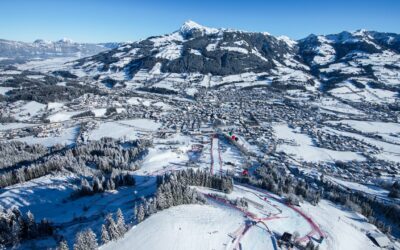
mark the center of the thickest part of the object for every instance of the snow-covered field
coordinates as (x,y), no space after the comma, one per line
(368,189)
(334,105)
(66,136)
(390,151)
(8,126)
(301,147)
(28,110)
(128,129)
(45,65)
(163,158)
(62,116)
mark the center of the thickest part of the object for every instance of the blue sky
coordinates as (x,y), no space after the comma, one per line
(124,20)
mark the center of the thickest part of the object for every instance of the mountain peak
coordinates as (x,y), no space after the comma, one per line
(189,24)
(360,32)
(191,28)
(65,40)
(41,41)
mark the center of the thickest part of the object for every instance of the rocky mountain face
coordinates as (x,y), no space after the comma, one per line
(48,49)
(361,65)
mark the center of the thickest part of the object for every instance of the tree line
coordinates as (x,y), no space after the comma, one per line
(14,152)
(96,156)
(279,182)
(16,227)
(103,183)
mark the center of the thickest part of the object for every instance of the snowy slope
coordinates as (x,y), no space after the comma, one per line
(183,227)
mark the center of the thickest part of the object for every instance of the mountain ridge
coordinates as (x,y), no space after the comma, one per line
(353,66)
(41,48)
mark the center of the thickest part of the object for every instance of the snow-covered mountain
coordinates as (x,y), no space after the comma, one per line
(357,66)
(359,60)
(49,49)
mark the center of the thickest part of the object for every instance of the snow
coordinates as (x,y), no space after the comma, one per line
(257,238)
(134,100)
(129,129)
(302,148)
(114,130)
(182,227)
(348,91)
(170,52)
(390,151)
(195,52)
(61,84)
(325,52)
(162,105)
(167,39)
(343,68)
(11,72)
(54,106)
(344,229)
(235,49)
(369,189)
(156,70)
(62,116)
(142,124)
(371,126)
(191,91)
(287,40)
(190,25)
(258,54)
(162,158)
(8,126)
(4,90)
(335,105)
(290,220)
(46,65)
(211,46)
(36,76)
(40,195)
(126,58)
(99,112)
(217,164)
(290,75)
(29,110)
(66,136)
(239,80)
(241,43)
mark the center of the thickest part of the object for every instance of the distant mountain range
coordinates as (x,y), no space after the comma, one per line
(355,66)
(48,49)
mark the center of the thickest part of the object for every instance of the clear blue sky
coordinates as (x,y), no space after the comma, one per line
(124,20)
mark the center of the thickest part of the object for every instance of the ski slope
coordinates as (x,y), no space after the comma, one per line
(216,161)
(182,227)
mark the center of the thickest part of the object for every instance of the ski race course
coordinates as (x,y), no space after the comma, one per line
(221,224)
